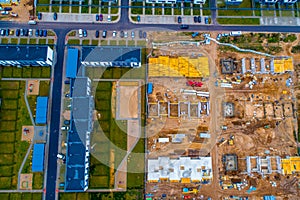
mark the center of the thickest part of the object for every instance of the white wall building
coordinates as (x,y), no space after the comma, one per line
(184,169)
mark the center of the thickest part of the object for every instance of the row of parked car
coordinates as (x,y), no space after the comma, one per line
(29,32)
(123,34)
(197,19)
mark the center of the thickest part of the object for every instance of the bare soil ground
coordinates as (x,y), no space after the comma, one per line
(35,87)
(27,136)
(26,181)
(128,104)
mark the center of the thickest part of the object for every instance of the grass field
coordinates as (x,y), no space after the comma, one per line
(13,115)
(26,72)
(249,21)
(236,10)
(21,196)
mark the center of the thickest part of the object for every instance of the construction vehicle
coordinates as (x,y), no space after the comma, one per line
(231,140)
(186,191)
(195,34)
(194,84)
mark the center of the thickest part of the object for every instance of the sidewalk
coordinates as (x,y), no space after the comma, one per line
(157,19)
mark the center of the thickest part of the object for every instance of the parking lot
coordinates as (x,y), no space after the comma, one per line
(97,38)
(27,36)
(83,11)
(142,12)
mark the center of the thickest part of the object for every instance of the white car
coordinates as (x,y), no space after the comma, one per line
(125,34)
(80,33)
(65,128)
(114,34)
(30,32)
(132,34)
(108,18)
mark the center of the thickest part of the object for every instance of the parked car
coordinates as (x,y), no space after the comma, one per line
(18,32)
(7,9)
(199,19)
(21,32)
(67,95)
(39,16)
(37,33)
(104,34)
(140,34)
(97,34)
(219,36)
(2,32)
(65,128)
(26,32)
(138,18)
(4,12)
(184,26)
(41,33)
(61,156)
(108,18)
(125,34)
(195,19)
(122,34)
(80,33)
(206,20)
(30,32)
(45,33)
(97,17)
(132,34)
(67,81)
(7,32)
(55,16)
(84,33)
(114,34)
(14,14)
(179,20)
(101,17)
(144,35)
(67,122)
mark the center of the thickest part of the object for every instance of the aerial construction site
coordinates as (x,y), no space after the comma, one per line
(221,123)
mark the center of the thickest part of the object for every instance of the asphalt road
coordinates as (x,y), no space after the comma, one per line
(55,120)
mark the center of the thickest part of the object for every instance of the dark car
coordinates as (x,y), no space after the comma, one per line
(55,16)
(184,26)
(138,18)
(26,32)
(195,19)
(7,32)
(97,17)
(84,33)
(122,34)
(104,34)
(144,34)
(97,34)
(18,32)
(179,20)
(199,19)
(7,9)
(140,34)
(37,32)
(45,33)
(41,33)
(101,17)
(67,81)
(39,16)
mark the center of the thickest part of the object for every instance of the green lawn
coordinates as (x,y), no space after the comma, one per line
(23,41)
(75,9)
(233,10)
(42,8)
(65,9)
(55,9)
(4,41)
(249,21)
(32,41)
(95,42)
(73,41)
(14,40)
(113,42)
(85,42)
